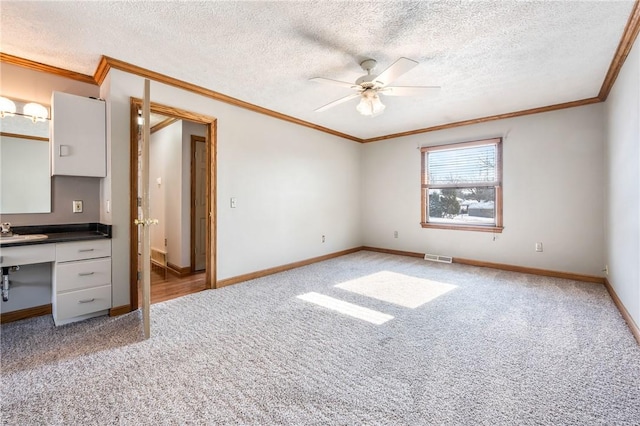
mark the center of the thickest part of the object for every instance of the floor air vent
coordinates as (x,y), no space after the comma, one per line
(438,258)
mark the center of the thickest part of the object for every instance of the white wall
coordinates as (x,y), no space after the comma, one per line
(36,86)
(164,163)
(115,188)
(623,184)
(553,190)
(170,160)
(293,184)
(173,191)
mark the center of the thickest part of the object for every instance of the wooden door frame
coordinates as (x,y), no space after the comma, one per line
(211,153)
(194,139)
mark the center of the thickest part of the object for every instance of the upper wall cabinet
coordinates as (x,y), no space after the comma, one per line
(78,136)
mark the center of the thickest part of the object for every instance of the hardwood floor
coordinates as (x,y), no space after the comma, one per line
(169,287)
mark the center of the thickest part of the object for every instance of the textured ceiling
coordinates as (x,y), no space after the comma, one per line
(489,57)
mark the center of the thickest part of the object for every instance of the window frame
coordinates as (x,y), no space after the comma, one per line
(425,186)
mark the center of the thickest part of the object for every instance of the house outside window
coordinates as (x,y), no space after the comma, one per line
(462,186)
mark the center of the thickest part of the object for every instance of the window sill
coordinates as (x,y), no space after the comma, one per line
(477,228)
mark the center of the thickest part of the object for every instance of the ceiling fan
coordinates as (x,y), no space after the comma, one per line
(369,86)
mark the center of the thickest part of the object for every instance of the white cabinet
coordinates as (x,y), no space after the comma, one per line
(78,136)
(81,280)
(26,255)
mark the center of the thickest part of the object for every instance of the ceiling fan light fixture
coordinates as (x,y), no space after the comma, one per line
(370,85)
(370,104)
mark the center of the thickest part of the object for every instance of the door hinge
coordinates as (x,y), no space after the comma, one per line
(139,201)
(139,275)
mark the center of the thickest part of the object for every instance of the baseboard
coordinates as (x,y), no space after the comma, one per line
(635,330)
(502,266)
(119,310)
(398,252)
(21,314)
(178,270)
(288,266)
(534,271)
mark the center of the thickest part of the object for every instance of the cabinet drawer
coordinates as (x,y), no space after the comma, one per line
(82,274)
(25,255)
(81,302)
(80,250)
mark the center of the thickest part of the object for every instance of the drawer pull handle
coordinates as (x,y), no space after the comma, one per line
(85,274)
(87,300)
(85,250)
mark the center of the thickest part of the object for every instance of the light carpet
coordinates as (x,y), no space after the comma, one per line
(464,345)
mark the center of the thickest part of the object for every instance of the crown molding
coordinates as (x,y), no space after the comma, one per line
(629,36)
(161,125)
(38,66)
(161,78)
(101,71)
(538,110)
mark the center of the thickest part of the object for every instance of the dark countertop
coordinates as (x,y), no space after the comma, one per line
(61,233)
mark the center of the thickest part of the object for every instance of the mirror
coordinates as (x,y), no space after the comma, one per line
(25,177)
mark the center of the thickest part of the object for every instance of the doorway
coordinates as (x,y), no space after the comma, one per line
(205,232)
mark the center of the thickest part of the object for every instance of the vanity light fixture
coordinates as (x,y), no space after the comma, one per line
(7,107)
(33,111)
(36,112)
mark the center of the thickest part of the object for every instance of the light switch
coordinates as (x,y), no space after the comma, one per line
(233,202)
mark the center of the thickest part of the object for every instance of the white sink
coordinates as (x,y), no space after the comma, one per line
(22,238)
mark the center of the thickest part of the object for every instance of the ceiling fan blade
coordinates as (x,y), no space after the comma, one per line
(334,82)
(407,90)
(395,70)
(338,102)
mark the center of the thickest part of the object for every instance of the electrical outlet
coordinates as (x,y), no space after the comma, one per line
(395,234)
(323,239)
(606,269)
(77,206)
(538,247)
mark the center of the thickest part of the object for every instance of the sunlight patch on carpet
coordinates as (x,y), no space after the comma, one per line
(399,289)
(346,308)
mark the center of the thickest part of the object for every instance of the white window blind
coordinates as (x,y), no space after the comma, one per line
(473,165)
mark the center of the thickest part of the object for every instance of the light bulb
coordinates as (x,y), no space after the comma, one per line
(370,104)
(7,107)
(36,112)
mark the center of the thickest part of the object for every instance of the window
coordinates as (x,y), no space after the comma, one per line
(462,186)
